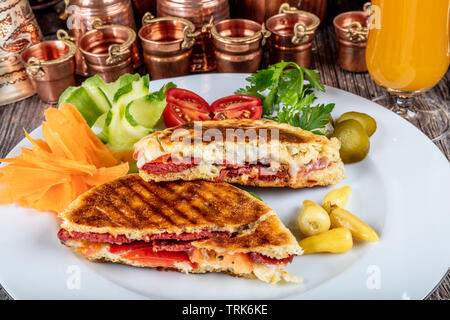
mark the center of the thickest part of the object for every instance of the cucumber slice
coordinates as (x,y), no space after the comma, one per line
(110,88)
(63,97)
(121,128)
(121,135)
(132,91)
(144,111)
(97,93)
(99,127)
(82,99)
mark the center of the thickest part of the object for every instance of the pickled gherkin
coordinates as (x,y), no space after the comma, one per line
(368,123)
(354,139)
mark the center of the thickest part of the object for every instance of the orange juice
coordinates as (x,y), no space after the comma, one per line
(410,50)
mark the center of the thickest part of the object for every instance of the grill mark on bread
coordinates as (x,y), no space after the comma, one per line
(155,208)
(90,213)
(110,197)
(165,202)
(285,135)
(139,209)
(150,207)
(188,202)
(173,204)
(122,208)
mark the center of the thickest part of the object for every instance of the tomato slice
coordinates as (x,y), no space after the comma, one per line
(121,248)
(156,258)
(237,106)
(184,106)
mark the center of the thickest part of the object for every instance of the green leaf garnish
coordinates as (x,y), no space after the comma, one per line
(282,89)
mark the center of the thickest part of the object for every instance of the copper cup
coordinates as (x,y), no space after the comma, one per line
(106,50)
(238,45)
(81,13)
(351,36)
(50,66)
(292,35)
(199,12)
(167,44)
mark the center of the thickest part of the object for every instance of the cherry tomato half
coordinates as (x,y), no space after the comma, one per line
(184,106)
(236,107)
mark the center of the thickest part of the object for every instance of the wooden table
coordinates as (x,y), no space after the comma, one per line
(28,114)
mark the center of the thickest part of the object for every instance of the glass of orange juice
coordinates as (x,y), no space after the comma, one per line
(408,52)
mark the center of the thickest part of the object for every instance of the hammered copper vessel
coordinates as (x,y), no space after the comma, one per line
(167,44)
(292,35)
(14,82)
(50,65)
(351,35)
(261,10)
(18,31)
(81,13)
(198,12)
(238,45)
(107,50)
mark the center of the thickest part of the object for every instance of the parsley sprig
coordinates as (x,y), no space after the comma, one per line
(289,98)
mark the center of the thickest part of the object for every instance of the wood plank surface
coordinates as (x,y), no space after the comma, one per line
(28,114)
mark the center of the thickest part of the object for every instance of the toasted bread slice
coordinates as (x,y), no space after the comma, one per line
(131,207)
(300,158)
(270,238)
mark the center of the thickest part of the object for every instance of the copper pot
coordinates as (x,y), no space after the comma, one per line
(50,65)
(81,13)
(261,10)
(167,44)
(238,45)
(198,12)
(351,36)
(107,50)
(292,35)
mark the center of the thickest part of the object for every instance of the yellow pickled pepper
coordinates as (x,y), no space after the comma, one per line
(337,198)
(313,219)
(335,240)
(342,218)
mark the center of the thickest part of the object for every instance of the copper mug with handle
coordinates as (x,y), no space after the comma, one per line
(351,36)
(167,44)
(107,50)
(81,13)
(50,66)
(292,36)
(238,44)
(199,12)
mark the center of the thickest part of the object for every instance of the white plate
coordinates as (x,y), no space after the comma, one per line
(401,189)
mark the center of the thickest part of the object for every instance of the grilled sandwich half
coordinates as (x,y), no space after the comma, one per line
(189,226)
(243,151)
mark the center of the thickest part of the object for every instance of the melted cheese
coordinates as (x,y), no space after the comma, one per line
(273,274)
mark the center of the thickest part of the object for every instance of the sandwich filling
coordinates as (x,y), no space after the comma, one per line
(178,252)
(226,170)
(240,151)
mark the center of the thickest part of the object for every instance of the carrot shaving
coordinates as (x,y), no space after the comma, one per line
(54,172)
